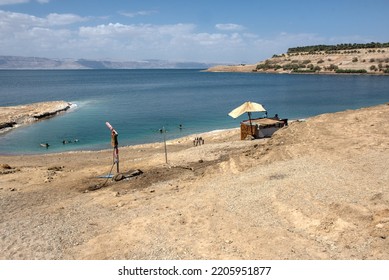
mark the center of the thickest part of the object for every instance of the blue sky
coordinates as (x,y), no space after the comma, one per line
(245,31)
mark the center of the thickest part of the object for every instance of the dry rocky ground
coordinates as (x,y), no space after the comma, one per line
(318,189)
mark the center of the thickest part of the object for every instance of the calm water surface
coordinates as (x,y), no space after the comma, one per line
(140,102)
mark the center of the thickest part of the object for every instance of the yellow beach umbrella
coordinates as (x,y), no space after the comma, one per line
(247,107)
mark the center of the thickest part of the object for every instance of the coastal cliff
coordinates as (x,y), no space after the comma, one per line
(13,116)
(303,60)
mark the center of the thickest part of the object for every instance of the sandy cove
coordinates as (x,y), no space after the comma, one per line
(317,189)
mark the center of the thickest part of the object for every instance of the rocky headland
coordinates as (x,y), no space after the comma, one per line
(320,60)
(14,116)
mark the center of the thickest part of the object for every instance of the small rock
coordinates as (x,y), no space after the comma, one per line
(201,161)
(12,189)
(95,187)
(5,166)
(55,168)
(136,172)
(118,177)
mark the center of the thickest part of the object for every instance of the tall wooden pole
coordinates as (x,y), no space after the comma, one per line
(251,127)
(164,141)
(115,145)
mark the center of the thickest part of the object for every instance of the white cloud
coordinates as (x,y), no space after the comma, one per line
(147,32)
(25,21)
(18,21)
(138,13)
(120,41)
(229,27)
(58,35)
(43,35)
(64,19)
(13,2)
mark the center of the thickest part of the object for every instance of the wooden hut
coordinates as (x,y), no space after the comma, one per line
(261,128)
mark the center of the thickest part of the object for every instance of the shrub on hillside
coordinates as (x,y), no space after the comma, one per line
(351,71)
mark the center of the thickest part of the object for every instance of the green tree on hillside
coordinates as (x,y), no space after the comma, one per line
(335,48)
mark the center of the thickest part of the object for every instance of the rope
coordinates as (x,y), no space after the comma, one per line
(106,181)
(99,186)
(113,164)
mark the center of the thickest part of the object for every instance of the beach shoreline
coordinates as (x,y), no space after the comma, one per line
(316,190)
(173,141)
(12,117)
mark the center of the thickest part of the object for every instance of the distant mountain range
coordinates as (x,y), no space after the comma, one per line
(20,62)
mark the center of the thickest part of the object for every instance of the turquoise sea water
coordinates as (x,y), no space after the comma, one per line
(140,102)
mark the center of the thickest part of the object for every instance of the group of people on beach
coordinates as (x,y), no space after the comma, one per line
(198,141)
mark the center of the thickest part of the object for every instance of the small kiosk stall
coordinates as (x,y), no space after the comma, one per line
(256,128)
(260,128)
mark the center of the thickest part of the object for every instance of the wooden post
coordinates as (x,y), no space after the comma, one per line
(116,157)
(164,141)
(251,126)
(115,145)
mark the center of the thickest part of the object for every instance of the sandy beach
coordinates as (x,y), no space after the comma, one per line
(318,189)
